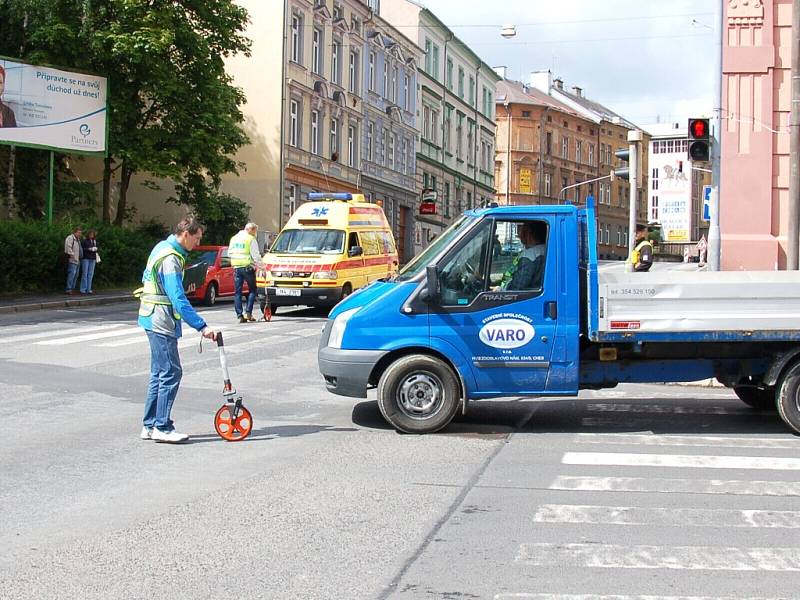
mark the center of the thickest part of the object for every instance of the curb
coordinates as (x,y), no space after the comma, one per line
(65,303)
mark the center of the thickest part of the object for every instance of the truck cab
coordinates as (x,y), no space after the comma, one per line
(509,301)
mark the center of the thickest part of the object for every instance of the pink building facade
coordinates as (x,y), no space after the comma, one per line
(756,106)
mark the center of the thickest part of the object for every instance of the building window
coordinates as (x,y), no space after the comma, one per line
(315,132)
(370,135)
(297,38)
(391,151)
(565,147)
(403,156)
(447,199)
(471,90)
(383,146)
(450,74)
(394,85)
(428,56)
(351,146)
(371,73)
(548,185)
(355,25)
(338,12)
(446,133)
(460,83)
(385,78)
(460,137)
(549,143)
(292,199)
(434,126)
(435,72)
(408,93)
(471,142)
(485,100)
(578,151)
(426,123)
(336,49)
(353,73)
(591,154)
(334,138)
(316,52)
(526,114)
(294,109)
(490,106)
(375,5)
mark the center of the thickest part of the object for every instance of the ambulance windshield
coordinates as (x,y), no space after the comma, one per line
(309,241)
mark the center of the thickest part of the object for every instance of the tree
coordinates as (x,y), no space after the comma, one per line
(172,107)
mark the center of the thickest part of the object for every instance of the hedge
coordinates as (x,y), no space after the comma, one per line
(31,255)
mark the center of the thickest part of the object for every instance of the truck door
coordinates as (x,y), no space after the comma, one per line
(497,304)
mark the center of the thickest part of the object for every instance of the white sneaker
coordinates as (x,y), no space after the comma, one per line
(169,437)
(147,433)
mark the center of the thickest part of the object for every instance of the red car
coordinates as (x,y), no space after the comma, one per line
(219,277)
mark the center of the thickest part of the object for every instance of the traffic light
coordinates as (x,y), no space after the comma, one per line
(699,140)
(622,172)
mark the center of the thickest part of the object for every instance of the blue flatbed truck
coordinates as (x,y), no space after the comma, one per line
(449,329)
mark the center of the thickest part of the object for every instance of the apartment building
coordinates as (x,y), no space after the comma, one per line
(455,111)
(389,63)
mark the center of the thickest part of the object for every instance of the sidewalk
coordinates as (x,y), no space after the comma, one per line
(28,302)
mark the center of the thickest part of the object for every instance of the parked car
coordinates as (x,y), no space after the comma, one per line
(219,277)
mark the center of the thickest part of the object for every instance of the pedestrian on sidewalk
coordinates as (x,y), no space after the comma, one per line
(73,251)
(89,261)
(243,252)
(163,308)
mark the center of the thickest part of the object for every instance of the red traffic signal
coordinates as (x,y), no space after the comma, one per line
(698,129)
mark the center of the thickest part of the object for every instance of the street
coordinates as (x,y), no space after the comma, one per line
(640,491)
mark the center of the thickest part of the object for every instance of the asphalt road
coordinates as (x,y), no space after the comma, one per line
(638,492)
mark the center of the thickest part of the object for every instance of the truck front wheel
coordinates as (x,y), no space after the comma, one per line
(418,394)
(789,397)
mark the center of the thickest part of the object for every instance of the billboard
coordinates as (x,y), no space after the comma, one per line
(525,181)
(43,107)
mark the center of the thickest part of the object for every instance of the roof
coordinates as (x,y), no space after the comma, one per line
(667,130)
(515,92)
(600,110)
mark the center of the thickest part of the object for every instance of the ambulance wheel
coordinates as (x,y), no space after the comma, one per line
(347,289)
(754,397)
(418,394)
(788,399)
(211,295)
(233,430)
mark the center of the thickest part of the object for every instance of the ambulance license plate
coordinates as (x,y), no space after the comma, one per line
(286,292)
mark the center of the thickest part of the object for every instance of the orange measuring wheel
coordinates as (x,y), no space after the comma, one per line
(230,428)
(268,314)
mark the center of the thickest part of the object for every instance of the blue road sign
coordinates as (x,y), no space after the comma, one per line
(706,202)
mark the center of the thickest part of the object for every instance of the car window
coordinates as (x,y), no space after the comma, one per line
(519,253)
(370,243)
(463,272)
(224,261)
(197,256)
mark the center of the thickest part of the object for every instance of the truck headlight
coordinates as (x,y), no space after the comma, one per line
(325,275)
(339,324)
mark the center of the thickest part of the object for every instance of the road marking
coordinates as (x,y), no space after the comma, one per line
(530,596)
(58,332)
(75,339)
(182,343)
(676,486)
(681,460)
(666,409)
(693,558)
(688,440)
(672,517)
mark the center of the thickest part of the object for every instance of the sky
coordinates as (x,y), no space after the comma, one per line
(647,60)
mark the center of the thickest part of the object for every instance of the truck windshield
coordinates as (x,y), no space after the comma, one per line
(309,241)
(419,262)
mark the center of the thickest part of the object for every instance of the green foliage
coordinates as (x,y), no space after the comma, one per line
(35,251)
(223,214)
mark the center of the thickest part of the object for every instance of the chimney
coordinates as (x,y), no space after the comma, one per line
(501,71)
(542,81)
(577,91)
(558,83)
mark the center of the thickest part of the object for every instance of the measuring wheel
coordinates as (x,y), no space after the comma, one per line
(233,424)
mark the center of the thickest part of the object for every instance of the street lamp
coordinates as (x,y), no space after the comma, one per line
(508,31)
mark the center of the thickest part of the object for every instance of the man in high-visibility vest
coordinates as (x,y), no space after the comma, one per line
(642,256)
(163,307)
(243,252)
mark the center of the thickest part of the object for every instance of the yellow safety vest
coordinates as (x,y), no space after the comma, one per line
(239,249)
(150,294)
(635,255)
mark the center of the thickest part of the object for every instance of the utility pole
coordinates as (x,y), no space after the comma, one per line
(634,137)
(714,236)
(793,225)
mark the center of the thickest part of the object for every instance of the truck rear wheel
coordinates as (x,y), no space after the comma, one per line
(755,397)
(418,394)
(789,397)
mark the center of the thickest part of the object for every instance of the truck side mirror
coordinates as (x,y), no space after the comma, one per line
(355,251)
(434,288)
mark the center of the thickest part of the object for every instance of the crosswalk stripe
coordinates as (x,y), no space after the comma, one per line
(676,486)
(57,333)
(75,339)
(182,343)
(672,517)
(687,440)
(681,460)
(695,558)
(537,596)
(665,409)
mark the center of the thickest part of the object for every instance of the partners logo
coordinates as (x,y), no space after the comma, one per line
(84,140)
(506,333)
(85,129)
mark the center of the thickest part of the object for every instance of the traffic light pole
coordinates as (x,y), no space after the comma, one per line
(714,237)
(634,137)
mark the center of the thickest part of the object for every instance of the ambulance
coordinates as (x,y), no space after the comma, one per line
(331,246)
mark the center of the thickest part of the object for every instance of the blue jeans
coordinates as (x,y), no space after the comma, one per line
(72,275)
(240,275)
(165,378)
(87,274)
